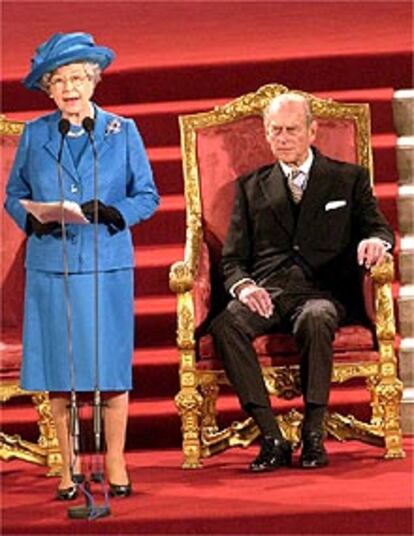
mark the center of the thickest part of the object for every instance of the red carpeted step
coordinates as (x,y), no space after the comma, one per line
(167,168)
(154,423)
(386,194)
(152,268)
(379,99)
(385,158)
(325,72)
(155,372)
(155,321)
(167,226)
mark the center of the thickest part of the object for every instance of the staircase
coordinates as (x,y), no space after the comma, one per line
(164,94)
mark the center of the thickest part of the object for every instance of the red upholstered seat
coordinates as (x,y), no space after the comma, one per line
(217,147)
(11,354)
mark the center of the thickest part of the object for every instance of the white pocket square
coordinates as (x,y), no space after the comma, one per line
(332,205)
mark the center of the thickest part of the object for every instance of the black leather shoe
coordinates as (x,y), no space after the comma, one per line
(313,453)
(122,490)
(67,494)
(273,454)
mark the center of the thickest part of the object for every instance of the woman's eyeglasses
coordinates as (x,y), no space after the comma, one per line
(76,80)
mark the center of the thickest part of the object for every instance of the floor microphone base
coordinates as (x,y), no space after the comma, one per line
(88,512)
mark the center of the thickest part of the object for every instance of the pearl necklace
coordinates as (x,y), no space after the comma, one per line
(76,134)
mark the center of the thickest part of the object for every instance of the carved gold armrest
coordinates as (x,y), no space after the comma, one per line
(382,276)
(181,277)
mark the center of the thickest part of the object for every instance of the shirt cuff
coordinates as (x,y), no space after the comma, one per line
(240,282)
(386,244)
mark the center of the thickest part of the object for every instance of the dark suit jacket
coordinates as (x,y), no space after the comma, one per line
(337,210)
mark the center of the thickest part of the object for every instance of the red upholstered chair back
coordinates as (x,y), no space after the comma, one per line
(238,146)
(12,262)
(229,141)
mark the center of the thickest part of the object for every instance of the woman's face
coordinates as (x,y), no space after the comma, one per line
(71,88)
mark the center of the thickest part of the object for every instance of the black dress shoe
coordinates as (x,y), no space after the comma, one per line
(313,453)
(120,490)
(273,454)
(67,494)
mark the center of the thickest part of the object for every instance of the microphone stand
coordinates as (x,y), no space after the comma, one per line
(73,407)
(91,510)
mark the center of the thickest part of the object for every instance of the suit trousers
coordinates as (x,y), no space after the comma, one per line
(311,315)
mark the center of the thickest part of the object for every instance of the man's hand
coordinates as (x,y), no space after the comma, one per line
(371,251)
(257,299)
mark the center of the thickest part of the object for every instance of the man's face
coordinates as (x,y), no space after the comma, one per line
(288,133)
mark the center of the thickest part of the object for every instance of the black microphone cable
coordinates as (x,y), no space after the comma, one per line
(91,510)
(64,127)
(89,125)
(97,470)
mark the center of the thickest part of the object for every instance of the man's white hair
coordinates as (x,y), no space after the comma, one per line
(285,98)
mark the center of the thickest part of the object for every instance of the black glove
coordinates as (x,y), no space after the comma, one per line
(107,215)
(33,225)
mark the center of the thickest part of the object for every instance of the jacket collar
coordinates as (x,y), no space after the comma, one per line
(102,143)
(274,188)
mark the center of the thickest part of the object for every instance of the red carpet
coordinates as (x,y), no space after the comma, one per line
(185,57)
(359,493)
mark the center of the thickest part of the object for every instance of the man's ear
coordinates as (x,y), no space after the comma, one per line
(313,128)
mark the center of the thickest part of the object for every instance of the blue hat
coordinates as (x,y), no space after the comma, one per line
(61,49)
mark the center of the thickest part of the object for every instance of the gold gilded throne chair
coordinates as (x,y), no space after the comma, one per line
(217,147)
(45,450)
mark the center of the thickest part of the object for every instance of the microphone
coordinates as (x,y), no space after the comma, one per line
(64,127)
(88,124)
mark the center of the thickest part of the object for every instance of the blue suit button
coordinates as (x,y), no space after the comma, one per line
(296,247)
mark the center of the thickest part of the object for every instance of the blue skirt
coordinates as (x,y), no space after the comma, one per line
(48,363)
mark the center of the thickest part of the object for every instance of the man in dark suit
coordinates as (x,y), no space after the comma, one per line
(299,232)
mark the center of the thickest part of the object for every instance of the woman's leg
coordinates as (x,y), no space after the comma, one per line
(115,422)
(59,405)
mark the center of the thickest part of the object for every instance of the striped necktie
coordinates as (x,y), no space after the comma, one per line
(295,189)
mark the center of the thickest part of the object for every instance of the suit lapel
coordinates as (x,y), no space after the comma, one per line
(274,189)
(102,142)
(53,147)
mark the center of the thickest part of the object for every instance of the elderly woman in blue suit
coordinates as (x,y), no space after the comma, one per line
(59,354)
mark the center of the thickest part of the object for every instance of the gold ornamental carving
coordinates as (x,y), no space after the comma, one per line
(283,382)
(10,128)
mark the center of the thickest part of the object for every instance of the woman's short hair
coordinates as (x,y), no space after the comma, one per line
(92,70)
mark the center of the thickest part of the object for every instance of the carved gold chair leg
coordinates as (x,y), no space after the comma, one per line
(238,434)
(389,395)
(377,413)
(290,425)
(48,438)
(14,447)
(209,389)
(46,450)
(189,403)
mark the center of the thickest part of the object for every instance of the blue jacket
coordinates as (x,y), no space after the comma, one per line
(124,182)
